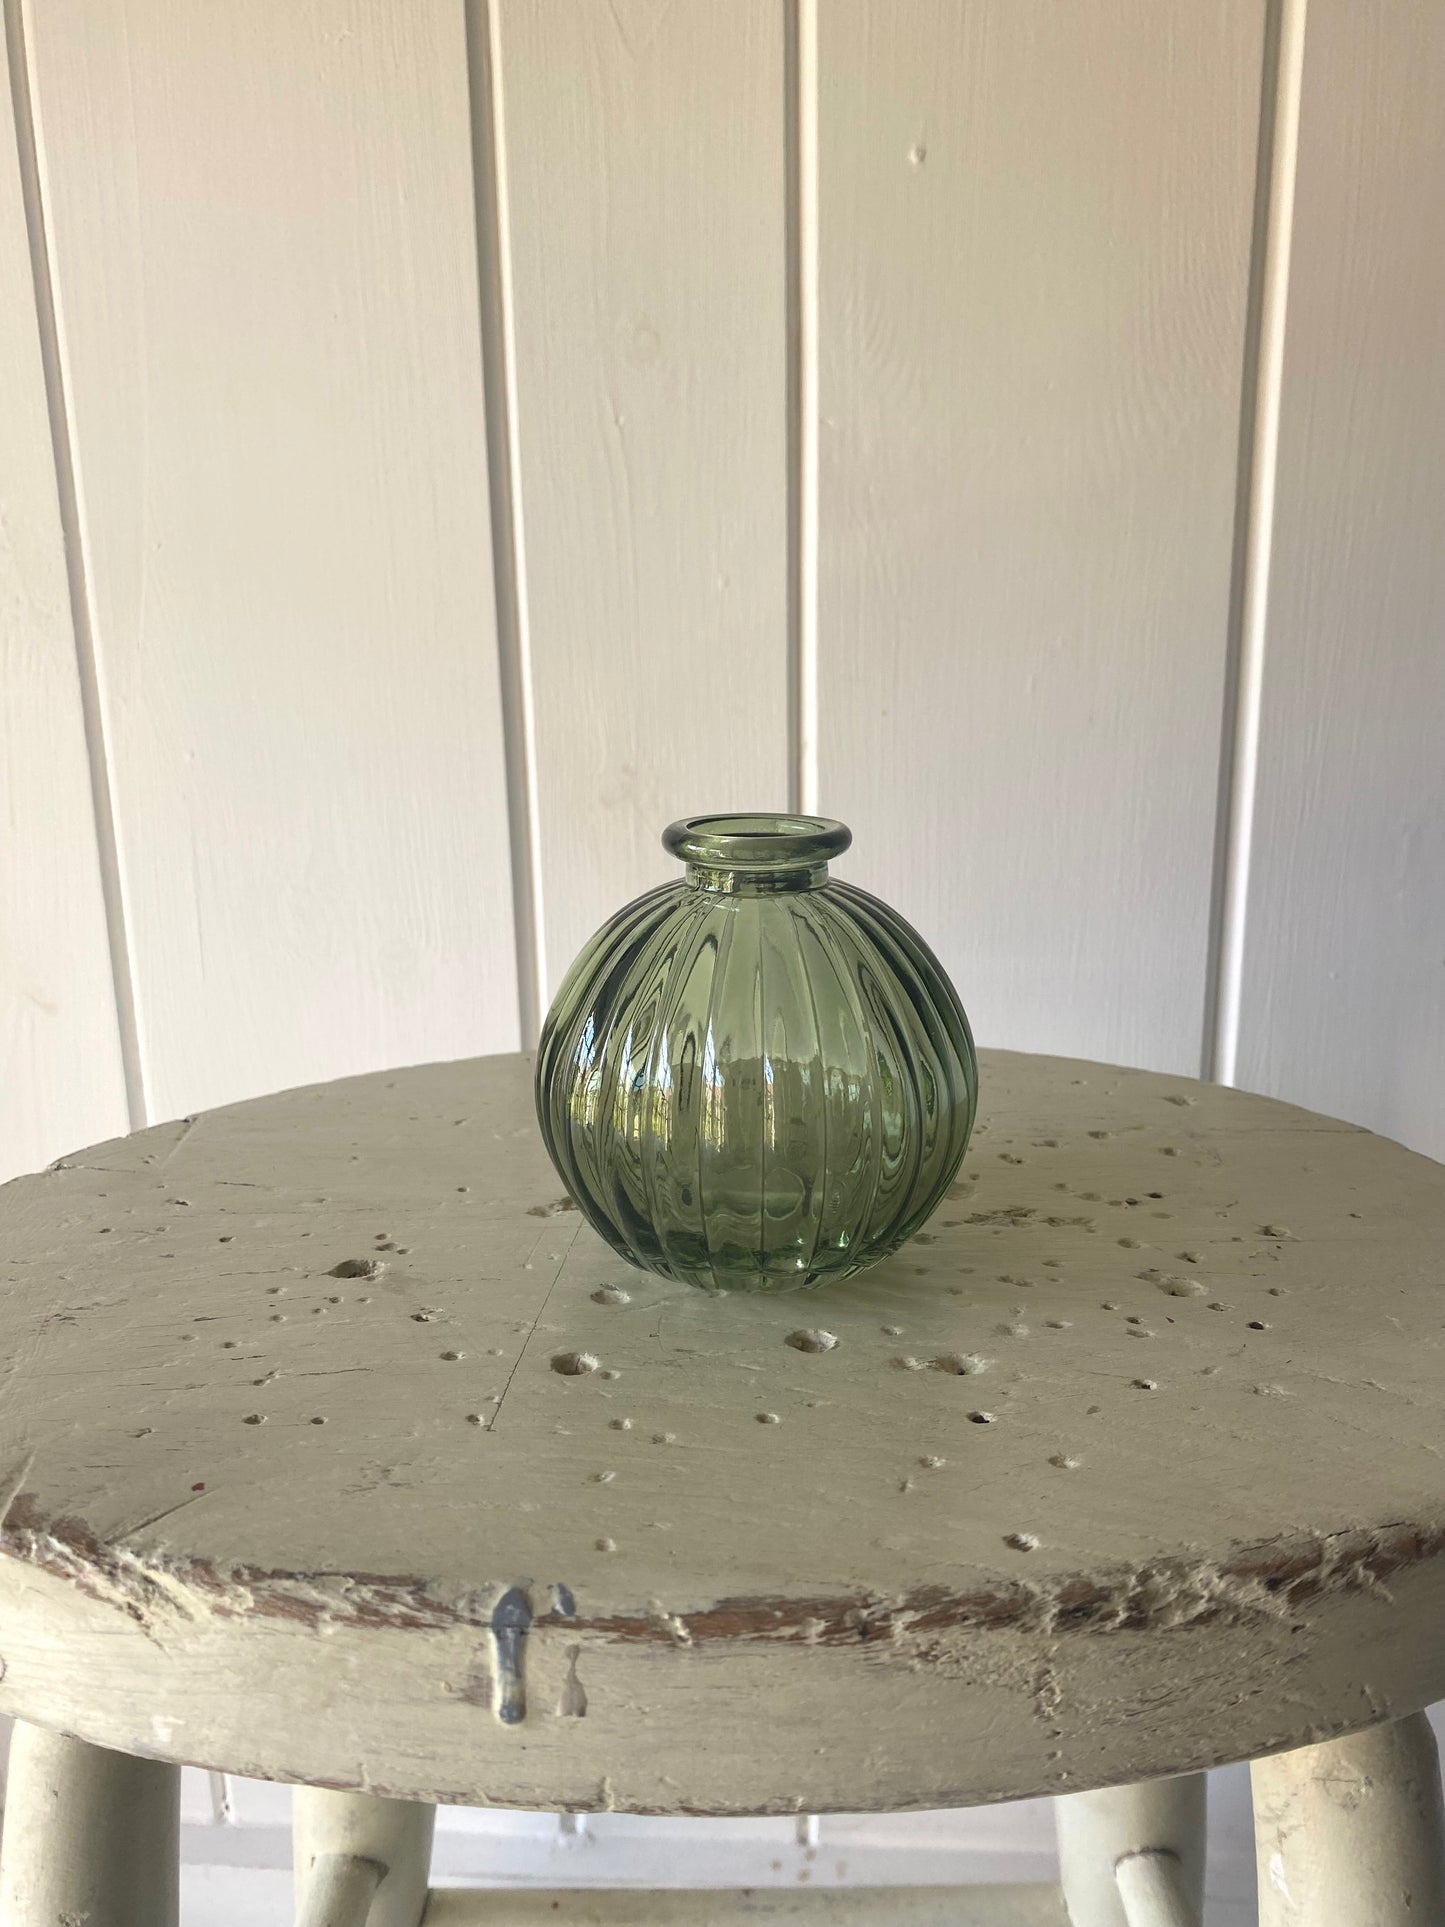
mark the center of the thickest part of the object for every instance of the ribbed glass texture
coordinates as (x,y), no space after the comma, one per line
(756,1079)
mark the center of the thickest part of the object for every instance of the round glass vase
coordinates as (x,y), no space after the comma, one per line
(756,1078)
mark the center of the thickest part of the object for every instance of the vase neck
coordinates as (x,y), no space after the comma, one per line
(754,883)
(755,855)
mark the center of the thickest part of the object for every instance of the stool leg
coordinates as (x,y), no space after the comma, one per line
(359,1859)
(1133,1856)
(1352,1831)
(90,1836)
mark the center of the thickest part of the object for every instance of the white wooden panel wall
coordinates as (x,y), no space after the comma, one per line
(1034,258)
(646,197)
(60,1063)
(262,237)
(1343,991)
(887,358)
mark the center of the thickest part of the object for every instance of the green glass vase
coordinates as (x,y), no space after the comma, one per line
(755,1078)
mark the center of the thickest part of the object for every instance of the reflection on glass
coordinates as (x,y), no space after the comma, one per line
(756,1078)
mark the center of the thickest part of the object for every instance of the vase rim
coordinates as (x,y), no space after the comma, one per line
(752,841)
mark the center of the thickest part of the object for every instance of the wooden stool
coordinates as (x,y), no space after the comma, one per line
(338,1450)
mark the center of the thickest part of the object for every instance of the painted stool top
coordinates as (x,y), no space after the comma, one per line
(337,1448)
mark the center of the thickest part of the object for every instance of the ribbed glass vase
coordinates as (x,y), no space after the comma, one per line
(755,1078)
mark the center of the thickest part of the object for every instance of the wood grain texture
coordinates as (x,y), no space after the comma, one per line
(1129,1463)
(1343,995)
(60,1065)
(646,180)
(263,236)
(1034,254)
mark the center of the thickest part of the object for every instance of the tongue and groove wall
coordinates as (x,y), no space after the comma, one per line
(444,442)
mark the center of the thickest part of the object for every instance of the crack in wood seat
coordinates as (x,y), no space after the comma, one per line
(338,1449)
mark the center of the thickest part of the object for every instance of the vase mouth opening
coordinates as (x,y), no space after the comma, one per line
(749,844)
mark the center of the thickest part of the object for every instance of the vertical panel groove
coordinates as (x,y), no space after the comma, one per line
(499,375)
(62,444)
(1254,528)
(801,238)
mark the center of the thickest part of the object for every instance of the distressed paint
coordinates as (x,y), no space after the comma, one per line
(1196,1524)
(511,1617)
(1352,1831)
(338,1837)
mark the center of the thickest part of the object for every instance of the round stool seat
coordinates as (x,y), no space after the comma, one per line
(338,1449)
